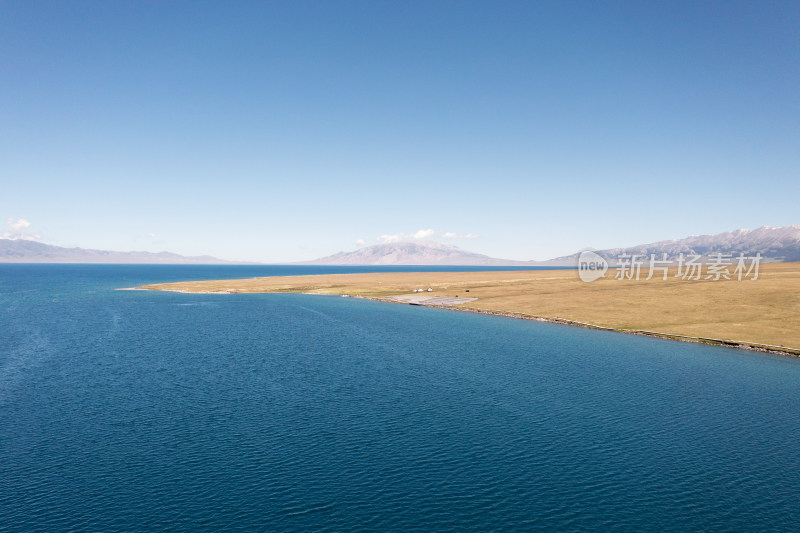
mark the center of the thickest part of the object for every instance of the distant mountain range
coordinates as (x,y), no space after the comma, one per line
(23,251)
(412,253)
(774,244)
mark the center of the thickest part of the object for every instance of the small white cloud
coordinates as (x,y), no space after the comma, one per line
(451,235)
(149,238)
(397,237)
(15,229)
(19,224)
(360,242)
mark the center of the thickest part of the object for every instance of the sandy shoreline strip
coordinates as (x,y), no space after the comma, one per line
(766,348)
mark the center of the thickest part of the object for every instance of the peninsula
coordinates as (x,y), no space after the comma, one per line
(762,314)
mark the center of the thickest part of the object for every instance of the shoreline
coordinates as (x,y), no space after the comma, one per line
(741,345)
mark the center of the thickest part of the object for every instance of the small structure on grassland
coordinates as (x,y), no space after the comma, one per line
(424,299)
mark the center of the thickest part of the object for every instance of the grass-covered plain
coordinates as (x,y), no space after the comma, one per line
(763,311)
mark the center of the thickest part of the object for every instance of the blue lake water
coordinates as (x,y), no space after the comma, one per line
(136,411)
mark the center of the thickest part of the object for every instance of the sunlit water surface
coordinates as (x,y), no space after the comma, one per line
(135,410)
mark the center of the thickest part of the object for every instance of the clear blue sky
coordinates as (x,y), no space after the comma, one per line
(286,131)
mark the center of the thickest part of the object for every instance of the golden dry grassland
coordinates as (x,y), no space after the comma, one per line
(763,311)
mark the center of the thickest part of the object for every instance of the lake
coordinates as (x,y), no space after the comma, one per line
(144,411)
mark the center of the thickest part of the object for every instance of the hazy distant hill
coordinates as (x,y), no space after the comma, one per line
(774,244)
(412,253)
(22,251)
